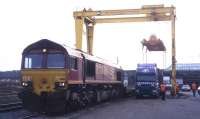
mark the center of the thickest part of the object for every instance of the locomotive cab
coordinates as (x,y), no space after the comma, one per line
(43,72)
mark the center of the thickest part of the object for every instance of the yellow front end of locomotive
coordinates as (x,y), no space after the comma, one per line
(48,81)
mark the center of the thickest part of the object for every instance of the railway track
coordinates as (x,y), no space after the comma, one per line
(30,116)
(10,106)
(8,95)
(9,100)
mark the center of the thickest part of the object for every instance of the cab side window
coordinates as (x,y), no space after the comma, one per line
(73,63)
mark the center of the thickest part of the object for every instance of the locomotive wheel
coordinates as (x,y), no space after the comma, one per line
(98,96)
(84,100)
(94,98)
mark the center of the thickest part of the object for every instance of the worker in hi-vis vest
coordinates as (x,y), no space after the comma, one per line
(194,88)
(162,90)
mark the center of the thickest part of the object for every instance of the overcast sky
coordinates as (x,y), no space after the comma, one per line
(23,22)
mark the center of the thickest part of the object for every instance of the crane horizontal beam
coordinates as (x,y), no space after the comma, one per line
(132,19)
(124,12)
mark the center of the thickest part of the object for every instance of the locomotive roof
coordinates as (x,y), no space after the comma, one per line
(77,53)
(45,43)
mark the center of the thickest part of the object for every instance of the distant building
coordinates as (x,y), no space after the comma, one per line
(10,74)
(187,72)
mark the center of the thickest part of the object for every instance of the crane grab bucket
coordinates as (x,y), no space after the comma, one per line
(153,44)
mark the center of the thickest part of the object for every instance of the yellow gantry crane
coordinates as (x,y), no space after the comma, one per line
(145,14)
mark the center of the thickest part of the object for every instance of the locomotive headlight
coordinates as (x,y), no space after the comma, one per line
(25,84)
(59,85)
(26,81)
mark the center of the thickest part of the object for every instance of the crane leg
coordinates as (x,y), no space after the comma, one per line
(79,32)
(90,32)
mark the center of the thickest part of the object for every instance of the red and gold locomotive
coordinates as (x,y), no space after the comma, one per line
(55,78)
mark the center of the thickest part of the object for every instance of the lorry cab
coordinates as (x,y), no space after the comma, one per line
(147,80)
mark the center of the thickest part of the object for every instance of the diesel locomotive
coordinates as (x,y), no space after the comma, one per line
(56,78)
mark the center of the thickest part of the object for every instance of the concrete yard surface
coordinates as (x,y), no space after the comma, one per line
(184,107)
(146,109)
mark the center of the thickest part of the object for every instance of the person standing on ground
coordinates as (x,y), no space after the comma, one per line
(162,90)
(194,88)
(177,89)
